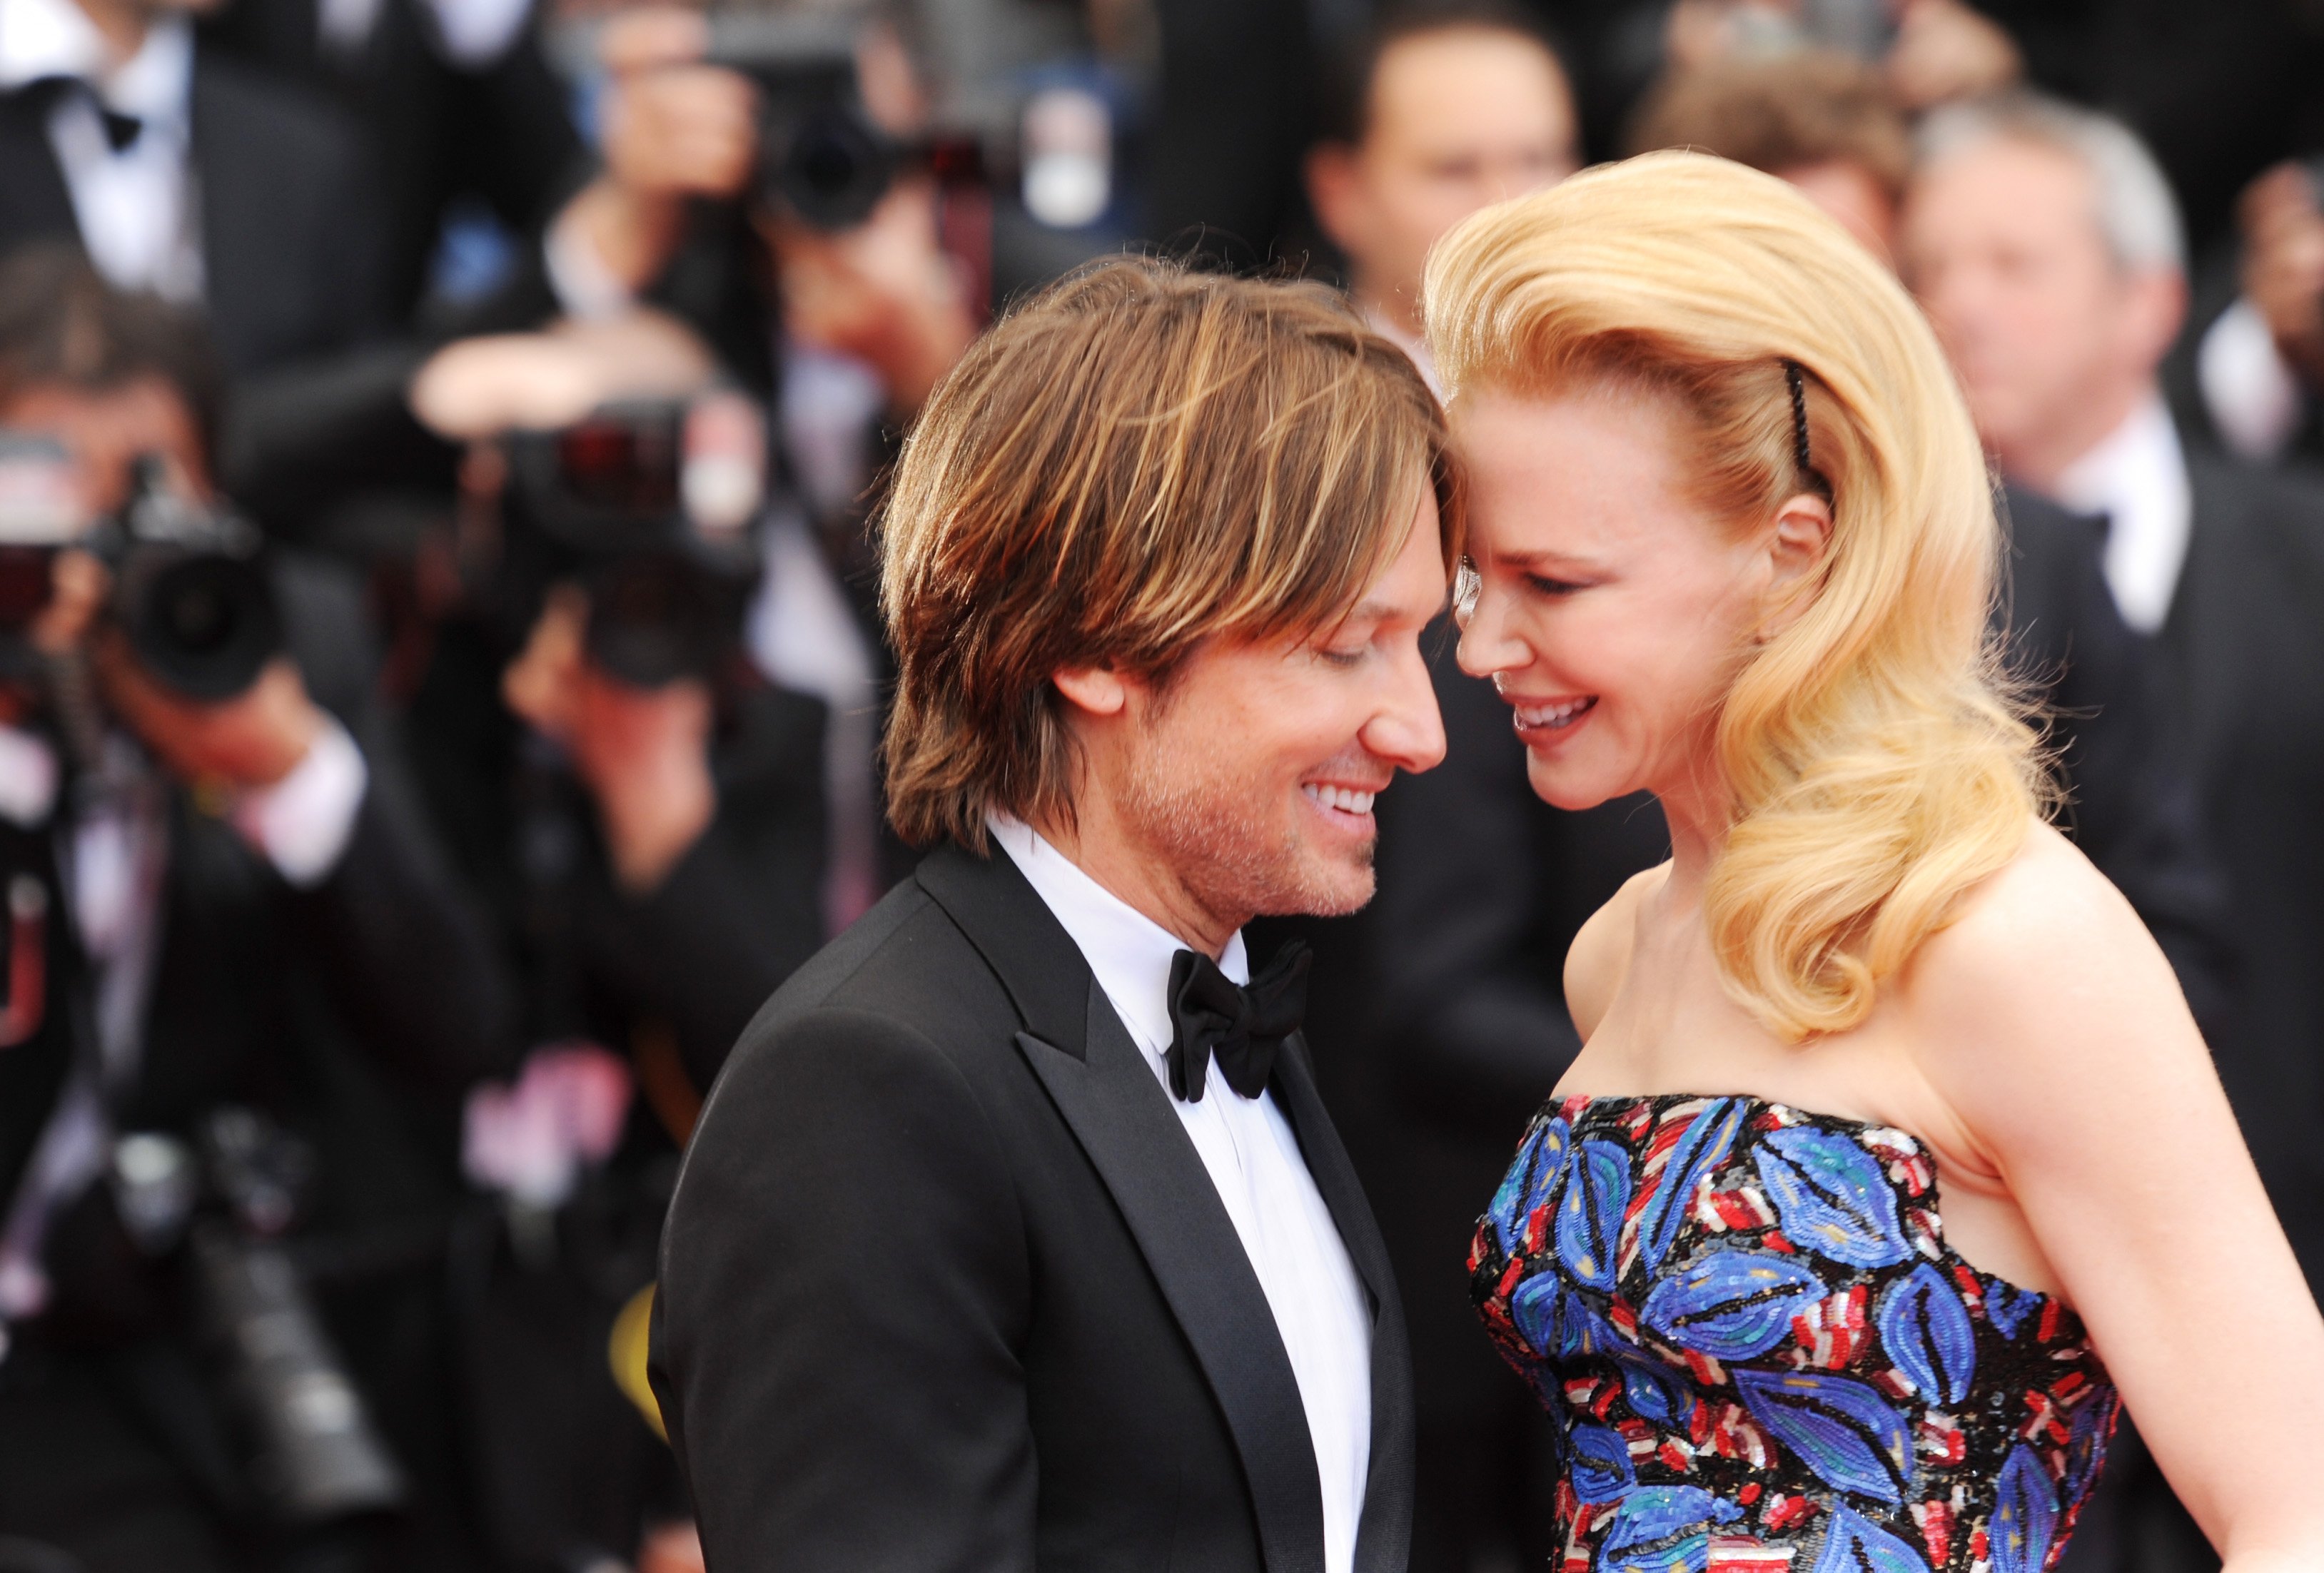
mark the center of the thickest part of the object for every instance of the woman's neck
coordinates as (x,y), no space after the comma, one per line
(1697,814)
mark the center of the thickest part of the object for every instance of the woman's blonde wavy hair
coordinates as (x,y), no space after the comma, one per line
(1878,764)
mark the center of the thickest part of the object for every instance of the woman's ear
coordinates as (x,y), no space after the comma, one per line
(1798,549)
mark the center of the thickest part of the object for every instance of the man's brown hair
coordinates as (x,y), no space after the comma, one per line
(1139,460)
(1787,112)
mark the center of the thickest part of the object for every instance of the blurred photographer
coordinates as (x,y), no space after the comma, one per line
(767,182)
(645,813)
(245,997)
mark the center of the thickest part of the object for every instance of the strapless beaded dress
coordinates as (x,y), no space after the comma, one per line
(1761,1354)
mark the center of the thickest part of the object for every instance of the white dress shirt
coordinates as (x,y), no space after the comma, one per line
(137,207)
(2136,476)
(1253,1159)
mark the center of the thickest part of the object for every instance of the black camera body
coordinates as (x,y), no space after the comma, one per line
(821,160)
(648,506)
(190,590)
(313,1454)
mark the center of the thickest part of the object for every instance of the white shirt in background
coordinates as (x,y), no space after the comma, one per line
(137,206)
(1253,1160)
(2136,476)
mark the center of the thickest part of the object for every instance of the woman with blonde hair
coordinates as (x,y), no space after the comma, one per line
(1732,540)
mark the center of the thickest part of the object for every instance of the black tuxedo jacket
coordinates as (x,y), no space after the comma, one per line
(945,1286)
(288,256)
(2245,648)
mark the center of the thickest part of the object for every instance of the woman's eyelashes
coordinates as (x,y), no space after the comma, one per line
(1544,585)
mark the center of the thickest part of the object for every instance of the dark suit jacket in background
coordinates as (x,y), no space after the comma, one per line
(2244,650)
(946,1287)
(288,229)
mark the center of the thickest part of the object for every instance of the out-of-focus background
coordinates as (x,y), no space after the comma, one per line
(440,682)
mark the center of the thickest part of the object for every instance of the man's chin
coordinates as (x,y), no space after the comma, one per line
(1325,888)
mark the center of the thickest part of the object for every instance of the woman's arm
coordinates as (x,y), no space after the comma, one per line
(2049,1021)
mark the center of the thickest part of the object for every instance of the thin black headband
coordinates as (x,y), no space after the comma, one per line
(1797,382)
(1799,416)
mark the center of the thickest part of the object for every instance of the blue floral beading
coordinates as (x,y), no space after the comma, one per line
(1762,1356)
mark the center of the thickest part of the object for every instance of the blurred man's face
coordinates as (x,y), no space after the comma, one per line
(106,431)
(2053,340)
(1459,120)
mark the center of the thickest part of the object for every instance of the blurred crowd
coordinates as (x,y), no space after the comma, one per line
(440,678)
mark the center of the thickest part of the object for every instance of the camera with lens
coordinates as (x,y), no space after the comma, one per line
(648,506)
(190,591)
(313,1454)
(821,159)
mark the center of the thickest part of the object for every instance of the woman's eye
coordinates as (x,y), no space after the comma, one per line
(1343,657)
(1541,584)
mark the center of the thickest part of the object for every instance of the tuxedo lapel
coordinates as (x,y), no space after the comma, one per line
(1384,1530)
(35,204)
(1118,1113)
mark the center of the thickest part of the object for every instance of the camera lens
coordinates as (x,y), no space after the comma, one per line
(836,170)
(204,624)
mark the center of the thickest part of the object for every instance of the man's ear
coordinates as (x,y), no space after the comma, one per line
(1093,690)
(1332,193)
(1798,547)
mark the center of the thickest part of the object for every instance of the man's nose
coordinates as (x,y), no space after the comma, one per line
(1407,732)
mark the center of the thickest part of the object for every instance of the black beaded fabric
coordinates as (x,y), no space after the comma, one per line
(1761,1355)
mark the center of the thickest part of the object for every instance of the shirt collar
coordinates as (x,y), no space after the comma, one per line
(2138,461)
(1128,952)
(54,38)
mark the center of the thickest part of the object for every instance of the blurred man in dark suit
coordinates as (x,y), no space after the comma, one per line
(1429,115)
(185,172)
(2045,245)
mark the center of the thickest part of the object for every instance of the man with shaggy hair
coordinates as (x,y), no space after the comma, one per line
(1015,1233)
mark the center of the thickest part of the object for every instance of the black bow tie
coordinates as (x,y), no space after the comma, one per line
(1211,1017)
(121,130)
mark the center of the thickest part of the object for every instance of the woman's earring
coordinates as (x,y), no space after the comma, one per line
(1468,585)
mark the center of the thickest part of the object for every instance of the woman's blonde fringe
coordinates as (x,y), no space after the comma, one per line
(1879,762)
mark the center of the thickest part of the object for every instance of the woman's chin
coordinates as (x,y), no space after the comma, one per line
(1561,785)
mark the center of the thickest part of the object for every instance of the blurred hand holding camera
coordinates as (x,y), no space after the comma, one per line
(253,740)
(883,292)
(644,753)
(674,128)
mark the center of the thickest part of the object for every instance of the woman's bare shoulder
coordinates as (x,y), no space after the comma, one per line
(2044,978)
(1599,956)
